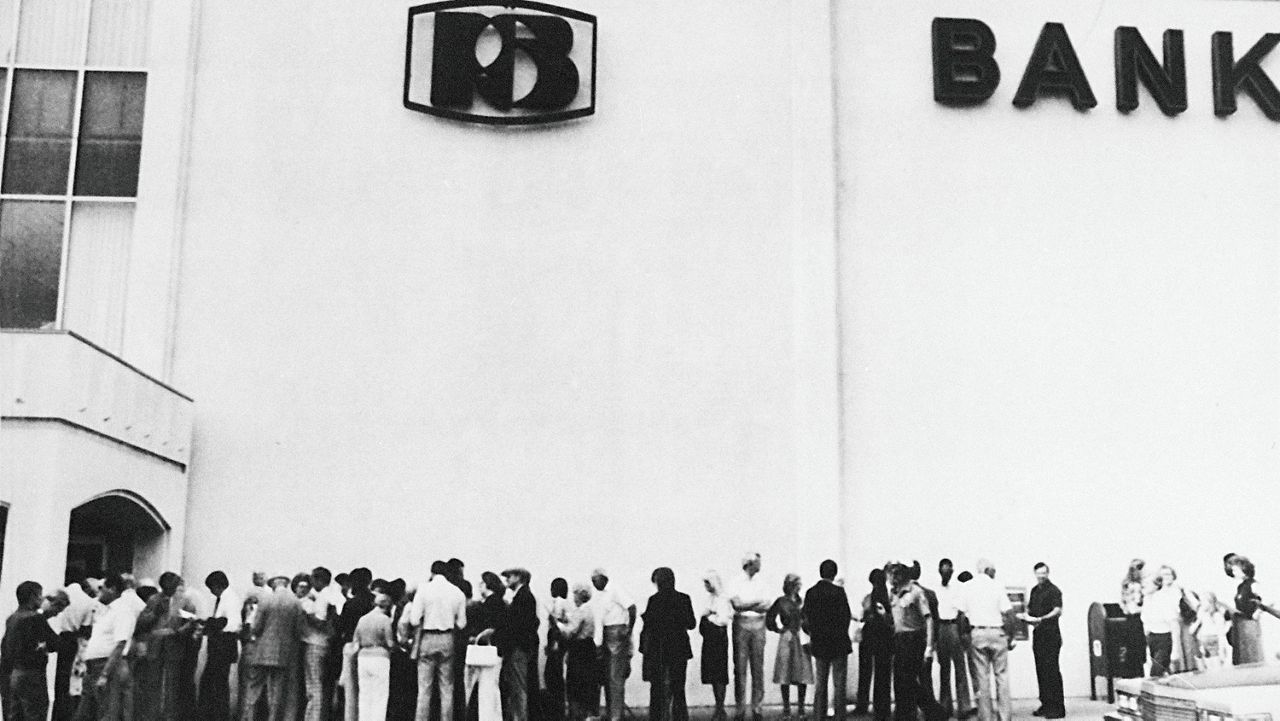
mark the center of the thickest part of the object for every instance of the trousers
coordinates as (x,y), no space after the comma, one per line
(748,657)
(837,671)
(112,701)
(617,663)
(488,695)
(908,691)
(374,671)
(435,665)
(513,681)
(28,695)
(1045,645)
(952,660)
(666,692)
(989,650)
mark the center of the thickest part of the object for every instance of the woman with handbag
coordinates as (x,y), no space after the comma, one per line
(582,673)
(483,663)
(793,666)
(1186,649)
(714,628)
(875,649)
(664,643)
(374,638)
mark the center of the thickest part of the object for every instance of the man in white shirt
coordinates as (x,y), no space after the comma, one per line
(987,606)
(951,653)
(750,600)
(222,629)
(108,692)
(615,616)
(70,625)
(431,625)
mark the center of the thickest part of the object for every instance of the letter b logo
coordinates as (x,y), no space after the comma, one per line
(446,75)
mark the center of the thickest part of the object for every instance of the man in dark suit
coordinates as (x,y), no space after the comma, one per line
(826,619)
(278,625)
(664,643)
(517,642)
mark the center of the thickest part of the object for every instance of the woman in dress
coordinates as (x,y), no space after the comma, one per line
(664,643)
(793,666)
(875,648)
(1160,620)
(1185,647)
(714,628)
(374,638)
(1246,627)
(1132,588)
(582,674)
(489,615)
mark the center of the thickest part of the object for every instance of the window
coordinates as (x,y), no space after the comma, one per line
(73,85)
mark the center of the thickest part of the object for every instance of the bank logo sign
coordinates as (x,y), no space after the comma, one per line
(511,64)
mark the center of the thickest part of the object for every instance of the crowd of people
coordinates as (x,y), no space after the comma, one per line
(1187,630)
(318,647)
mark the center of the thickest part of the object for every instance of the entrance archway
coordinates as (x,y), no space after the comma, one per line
(115,532)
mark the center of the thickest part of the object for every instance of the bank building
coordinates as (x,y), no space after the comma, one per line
(629,284)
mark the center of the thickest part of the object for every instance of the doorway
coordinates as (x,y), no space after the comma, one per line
(116,532)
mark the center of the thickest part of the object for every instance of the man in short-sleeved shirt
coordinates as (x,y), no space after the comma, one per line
(1043,609)
(108,686)
(912,644)
(987,606)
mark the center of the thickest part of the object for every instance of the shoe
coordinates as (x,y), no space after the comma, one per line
(1055,713)
(1038,712)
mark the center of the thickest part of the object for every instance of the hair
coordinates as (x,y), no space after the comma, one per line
(914,571)
(559,588)
(456,564)
(217,578)
(581,593)
(1227,558)
(1040,565)
(877,577)
(522,573)
(298,578)
(360,578)
(169,582)
(379,585)
(1171,571)
(790,583)
(664,578)
(946,562)
(750,557)
(1245,565)
(342,578)
(397,588)
(439,568)
(985,566)
(1209,599)
(827,569)
(491,581)
(322,575)
(28,591)
(1134,574)
(964,577)
(713,577)
(114,582)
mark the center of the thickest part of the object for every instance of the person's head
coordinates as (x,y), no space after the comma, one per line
(914,571)
(945,569)
(559,588)
(260,579)
(664,578)
(146,592)
(985,567)
(301,584)
(440,568)
(1042,572)
(457,569)
(30,595)
(1242,568)
(397,590)
(751,564)
(320,578)
(277,583)
(129,580)
(344,582)
(491,584)
(1157,581)
(599,579)
(56,601)
(711,582)
(382,602)
(827,570)
(112,587)
(360,579)
(516,578)
(1168,575)
(1209,602)
(1226,563)
(169,582)
(877,577)
(1134,574)
(581,593)
(899,575)
(217,582)
(964,577)
(791,584)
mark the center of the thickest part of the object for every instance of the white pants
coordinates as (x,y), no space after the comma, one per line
(375,677)
(488,699)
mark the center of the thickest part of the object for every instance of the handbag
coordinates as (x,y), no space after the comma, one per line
(478,655)
(1186,610)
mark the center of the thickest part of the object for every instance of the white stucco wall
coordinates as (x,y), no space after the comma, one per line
(1061,327)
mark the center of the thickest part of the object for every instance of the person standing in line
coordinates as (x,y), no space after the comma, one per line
(457,576)
(402,689)
(483,623)
(327,594)
(1043,609)
(1249,606)
(664,643)
(222,629)
(359,603)
(317,635)
(24,652)
(951,653)
(792,665)
(913,644)
(714,628)
(430,626)
(966,643)
(582,678)
(1133,587)
(827,617)
(517,642)
(926,668)
(278,626)
(253,598)
(615,621)
(875,649)
(108,688)
(553,671)
(374,637)
(989,611)
(72,626)
(751,600)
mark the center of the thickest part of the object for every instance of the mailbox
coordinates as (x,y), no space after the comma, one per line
(1117,646)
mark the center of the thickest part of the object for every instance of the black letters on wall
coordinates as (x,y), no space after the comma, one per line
(964,67)
(456,74)
(1054,69)
(1135,61)
(1230,76)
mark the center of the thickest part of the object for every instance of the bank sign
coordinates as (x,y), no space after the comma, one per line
(511,64)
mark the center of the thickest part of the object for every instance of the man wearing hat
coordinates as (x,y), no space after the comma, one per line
(615,616)
(278,626)
(517,642)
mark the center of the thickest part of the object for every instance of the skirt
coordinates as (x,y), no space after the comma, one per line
(1248,638)
(715,653)
(793,664)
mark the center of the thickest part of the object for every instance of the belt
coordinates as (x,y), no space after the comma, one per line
(437,630)
(994,628)
(947,620)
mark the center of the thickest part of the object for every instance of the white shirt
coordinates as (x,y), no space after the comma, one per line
(984,601)
(749,590)
(228,606)
(721,610)
(79,612)
(332,595)
(1160,611)
(437,606)
(133,602)
(110,627)
(612,608)
(948,607)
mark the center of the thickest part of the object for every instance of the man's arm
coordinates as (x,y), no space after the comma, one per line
(631,618)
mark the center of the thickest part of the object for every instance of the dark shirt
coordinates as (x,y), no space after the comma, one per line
(668,618)
(520,629)
(27,639)
(827,617)
(1044,598)
(488,614)
(1246,599)
(352,611)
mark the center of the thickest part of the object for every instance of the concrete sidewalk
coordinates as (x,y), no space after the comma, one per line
(1078,709)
